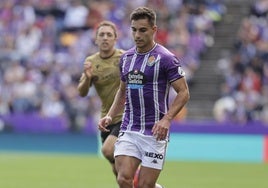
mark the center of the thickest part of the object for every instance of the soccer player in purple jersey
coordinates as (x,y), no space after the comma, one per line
(147,72)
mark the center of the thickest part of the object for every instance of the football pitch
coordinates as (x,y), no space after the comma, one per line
(46,170)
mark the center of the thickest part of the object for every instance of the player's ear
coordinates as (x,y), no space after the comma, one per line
(154,28)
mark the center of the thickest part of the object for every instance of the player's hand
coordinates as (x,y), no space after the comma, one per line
(160,129)
(88,69)
(104,122)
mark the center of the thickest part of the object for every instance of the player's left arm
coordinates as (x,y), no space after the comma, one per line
(161,128)
(182,97)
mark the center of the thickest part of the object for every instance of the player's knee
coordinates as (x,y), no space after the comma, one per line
(124,181)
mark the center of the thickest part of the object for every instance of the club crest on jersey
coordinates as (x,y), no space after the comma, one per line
(151,61)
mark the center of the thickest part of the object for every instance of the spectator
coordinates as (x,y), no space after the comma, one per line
(37,41)
(246,73)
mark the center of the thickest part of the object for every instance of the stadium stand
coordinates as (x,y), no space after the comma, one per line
(244,92)
(43,48)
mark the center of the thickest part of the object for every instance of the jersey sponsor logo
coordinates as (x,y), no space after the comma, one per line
(136,79)
(154,155)
(151,61)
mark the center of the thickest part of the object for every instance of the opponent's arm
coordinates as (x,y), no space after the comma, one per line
(85,80)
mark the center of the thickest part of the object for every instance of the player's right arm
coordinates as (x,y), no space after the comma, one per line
(117,106)
(85,80)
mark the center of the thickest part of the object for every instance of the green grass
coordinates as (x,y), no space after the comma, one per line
(32,170)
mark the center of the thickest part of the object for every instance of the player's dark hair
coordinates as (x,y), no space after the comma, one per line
(107,23)
(144,13)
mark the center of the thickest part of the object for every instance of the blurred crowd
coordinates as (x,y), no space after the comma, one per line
(43,45)
(245,70)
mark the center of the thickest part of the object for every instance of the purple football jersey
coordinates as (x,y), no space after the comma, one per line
(148,77)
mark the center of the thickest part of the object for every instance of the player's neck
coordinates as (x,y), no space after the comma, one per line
(147,48)
(106,55)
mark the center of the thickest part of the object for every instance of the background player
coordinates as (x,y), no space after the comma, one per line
(101,70)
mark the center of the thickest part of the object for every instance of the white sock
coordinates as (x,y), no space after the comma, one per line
(158,186)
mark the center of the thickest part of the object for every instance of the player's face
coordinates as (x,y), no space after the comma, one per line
(143,34)
(105,38)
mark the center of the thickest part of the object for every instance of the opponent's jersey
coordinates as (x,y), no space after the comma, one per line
(106,79)
(148,77)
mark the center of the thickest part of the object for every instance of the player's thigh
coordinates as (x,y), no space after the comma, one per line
(148,175)
(108,144)
(126,165)
(109,138)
